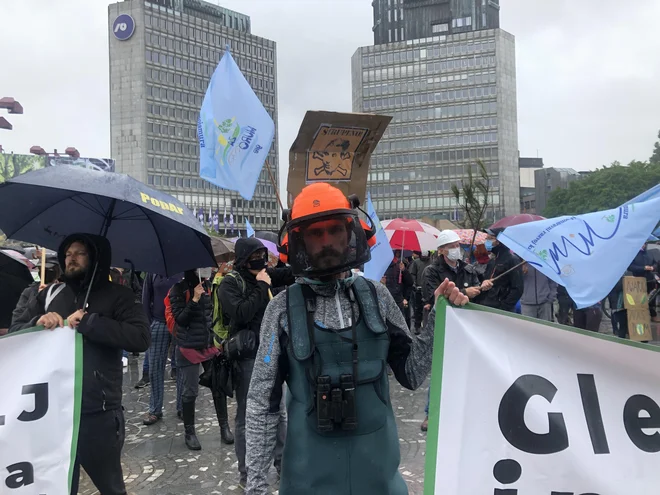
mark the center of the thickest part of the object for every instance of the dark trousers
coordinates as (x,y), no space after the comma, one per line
(588,318)
(418,308)
(565,305)
(100,440)
(620,323)
(650,286)
(244,375)
(160,343)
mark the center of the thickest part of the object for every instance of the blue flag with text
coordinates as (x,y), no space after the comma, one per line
(381,252)
(589,253)
(235,131)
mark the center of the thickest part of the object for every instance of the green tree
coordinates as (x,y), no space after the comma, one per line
(12,165)
(655,157)
(472,198)
(603,189)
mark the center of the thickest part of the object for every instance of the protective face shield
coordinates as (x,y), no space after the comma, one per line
(327,244)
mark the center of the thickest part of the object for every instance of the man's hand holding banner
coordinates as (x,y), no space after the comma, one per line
(40,394)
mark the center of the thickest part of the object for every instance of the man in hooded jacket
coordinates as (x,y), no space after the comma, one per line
(331,337)
(111,321)
(243,295)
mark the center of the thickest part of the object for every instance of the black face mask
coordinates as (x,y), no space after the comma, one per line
(258,264)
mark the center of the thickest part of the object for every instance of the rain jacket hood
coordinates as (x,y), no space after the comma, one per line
(246,248)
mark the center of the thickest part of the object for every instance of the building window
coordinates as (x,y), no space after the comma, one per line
(389,35)
(402,37)
(440,28)
(395,15)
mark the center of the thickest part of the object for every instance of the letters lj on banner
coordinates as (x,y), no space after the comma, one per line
(39,410)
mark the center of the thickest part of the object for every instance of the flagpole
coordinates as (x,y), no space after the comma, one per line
(508,271)
(272,181)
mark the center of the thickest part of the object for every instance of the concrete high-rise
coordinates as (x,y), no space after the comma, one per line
(162,56)
(401,20)
(453,99)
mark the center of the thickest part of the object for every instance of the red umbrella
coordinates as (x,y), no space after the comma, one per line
(408,234)
(512,220)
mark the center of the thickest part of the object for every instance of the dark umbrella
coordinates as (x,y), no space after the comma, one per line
(512,220)
(267,236)
(11,265)
(153,230)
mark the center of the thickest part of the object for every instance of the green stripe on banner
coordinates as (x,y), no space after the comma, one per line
(77,394)
(437,373)
(436,392)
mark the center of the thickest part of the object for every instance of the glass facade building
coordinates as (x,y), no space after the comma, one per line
(401,20)
(158,78)
(453,102)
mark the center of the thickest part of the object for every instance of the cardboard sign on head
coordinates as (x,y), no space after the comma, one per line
(335,148)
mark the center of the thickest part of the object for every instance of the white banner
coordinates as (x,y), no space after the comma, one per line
(522,407)
(40,392)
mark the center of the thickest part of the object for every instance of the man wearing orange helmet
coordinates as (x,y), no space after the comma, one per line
(331,337)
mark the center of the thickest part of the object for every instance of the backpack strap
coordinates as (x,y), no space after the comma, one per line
(52,293)
(368,301)
(300,314)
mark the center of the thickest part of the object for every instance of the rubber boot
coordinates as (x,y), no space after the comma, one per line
(189,426)
(220,403)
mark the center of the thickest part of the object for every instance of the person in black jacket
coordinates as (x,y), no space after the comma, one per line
(416,270)
(110,322)
(193,312)
(52,274)
(399,282)
(243,299)
(505,292)
(448,265)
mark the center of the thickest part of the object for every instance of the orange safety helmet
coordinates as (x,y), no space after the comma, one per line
(316,203)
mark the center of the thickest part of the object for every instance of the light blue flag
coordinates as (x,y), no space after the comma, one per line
(381,252)
(587,254)
(248,228)
(235,131)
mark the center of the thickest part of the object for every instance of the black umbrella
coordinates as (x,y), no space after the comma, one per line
(153,230)
(267,236)
(11,266)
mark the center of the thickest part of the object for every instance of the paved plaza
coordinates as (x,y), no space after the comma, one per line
(157,462)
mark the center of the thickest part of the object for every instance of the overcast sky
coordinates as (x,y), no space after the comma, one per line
(588,72)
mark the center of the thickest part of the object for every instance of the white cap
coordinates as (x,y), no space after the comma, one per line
(447,237)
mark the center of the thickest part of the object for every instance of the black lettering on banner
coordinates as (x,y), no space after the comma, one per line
(635,425)
(511,417)
(592,414)
(40,391)
(20,474)
(2,420)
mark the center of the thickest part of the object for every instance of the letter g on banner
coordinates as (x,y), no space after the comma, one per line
(511,417)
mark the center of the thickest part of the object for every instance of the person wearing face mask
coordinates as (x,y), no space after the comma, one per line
(449,265)
(504,292)
(193,314)
(243,295)
(331,337)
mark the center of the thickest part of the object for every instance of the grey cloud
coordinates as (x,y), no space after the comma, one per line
(587,72)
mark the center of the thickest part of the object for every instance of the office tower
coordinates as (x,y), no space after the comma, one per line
(453,99)
(162,56)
